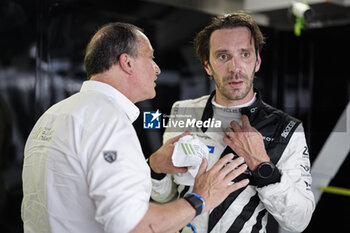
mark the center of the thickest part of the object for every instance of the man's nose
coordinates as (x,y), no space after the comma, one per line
(157,69)
(233,65)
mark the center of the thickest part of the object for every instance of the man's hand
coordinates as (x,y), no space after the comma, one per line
(215,185)
(247,142)
(160,161)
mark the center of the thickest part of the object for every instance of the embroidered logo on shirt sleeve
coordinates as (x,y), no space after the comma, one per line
(110,155)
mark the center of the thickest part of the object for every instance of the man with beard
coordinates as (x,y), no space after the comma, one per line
(271,142)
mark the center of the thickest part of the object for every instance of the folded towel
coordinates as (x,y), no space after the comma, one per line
(188,152)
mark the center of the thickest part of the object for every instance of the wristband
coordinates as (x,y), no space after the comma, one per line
(156,176)
(196,201)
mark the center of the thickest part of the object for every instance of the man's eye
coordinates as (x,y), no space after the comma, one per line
(245,54)
(223,57)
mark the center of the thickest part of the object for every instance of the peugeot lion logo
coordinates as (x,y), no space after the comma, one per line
(110,156)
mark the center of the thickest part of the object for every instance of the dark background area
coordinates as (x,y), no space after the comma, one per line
(42,46)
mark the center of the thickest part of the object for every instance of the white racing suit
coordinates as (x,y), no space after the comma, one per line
(287,195)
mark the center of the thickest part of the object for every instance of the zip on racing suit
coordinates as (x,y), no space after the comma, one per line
(286,195)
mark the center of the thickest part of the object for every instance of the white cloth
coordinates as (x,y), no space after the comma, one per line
(84,170)
(188,152)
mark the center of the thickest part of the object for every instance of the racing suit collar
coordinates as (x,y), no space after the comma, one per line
(251,111)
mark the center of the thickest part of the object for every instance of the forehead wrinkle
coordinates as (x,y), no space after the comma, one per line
(220,51)
(251,39)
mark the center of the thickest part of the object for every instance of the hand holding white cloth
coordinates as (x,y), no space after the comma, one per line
(188,152)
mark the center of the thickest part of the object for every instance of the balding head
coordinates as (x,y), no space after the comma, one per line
(108,44)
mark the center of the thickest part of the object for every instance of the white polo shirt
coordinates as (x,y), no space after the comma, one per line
(84,170)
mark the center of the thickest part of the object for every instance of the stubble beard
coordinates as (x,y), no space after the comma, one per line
(234,94)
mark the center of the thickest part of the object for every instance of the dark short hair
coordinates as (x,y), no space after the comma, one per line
(106,46)
(233,20)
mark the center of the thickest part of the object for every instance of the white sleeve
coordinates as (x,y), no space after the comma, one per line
(291,201)
(120,189)
(165,189)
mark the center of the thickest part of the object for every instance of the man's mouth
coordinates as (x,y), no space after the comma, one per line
(235,84)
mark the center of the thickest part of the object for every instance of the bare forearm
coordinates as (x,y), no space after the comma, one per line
(169,217)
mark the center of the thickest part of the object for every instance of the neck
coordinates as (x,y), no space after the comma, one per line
(118,82)
(220,99)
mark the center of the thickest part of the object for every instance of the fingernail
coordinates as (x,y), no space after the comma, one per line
(241,159)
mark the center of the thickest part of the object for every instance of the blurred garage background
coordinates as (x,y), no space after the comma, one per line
(42,45)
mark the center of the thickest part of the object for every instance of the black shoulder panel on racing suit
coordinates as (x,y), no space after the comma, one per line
(277,128)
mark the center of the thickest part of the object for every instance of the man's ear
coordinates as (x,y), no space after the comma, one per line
(207,68)
(258,62)
(126,63)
